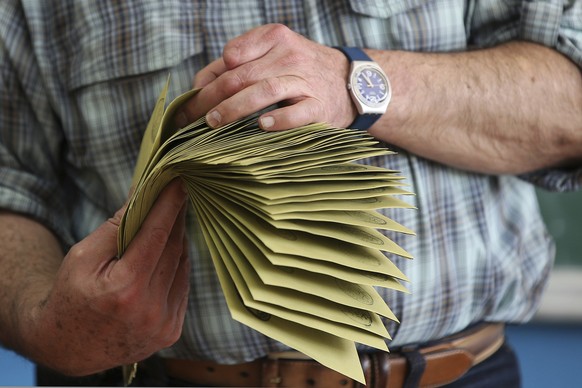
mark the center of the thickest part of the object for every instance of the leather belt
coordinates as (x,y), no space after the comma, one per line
(446,360)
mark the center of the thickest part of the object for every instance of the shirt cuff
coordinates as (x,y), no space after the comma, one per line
(557,180)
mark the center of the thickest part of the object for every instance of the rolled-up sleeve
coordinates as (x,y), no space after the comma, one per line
(552,23)
(31,141)
(555,24)
(556,179)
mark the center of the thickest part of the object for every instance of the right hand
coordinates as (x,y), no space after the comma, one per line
(269,65)
(103,312)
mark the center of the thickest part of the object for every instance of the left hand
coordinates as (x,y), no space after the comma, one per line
(100,311)
(273,65)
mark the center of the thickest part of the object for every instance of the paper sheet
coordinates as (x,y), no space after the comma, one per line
(291,222)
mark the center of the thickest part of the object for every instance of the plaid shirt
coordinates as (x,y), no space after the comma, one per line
(79,80)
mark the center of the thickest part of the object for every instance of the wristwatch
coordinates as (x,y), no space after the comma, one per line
(368,86)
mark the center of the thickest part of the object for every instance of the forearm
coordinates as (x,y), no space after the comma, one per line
(29,259)
(509,109)
(504,110)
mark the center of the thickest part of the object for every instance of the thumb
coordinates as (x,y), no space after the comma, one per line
(100,247)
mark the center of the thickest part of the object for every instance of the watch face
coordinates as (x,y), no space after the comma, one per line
(371,86)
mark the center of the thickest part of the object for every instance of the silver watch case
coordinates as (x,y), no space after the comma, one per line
(363,106)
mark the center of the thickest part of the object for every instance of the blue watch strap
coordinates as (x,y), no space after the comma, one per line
(362,121)
(354,53)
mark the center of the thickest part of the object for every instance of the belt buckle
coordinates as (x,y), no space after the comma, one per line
(271,372)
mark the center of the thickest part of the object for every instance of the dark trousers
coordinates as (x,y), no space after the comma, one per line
(501,370)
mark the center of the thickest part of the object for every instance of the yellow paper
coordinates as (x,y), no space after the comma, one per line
(291,222)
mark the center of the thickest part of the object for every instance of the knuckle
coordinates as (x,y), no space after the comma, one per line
(293,59)
(174,336)
(77,252)
(233,83)
(116,303)
(123,299)
(231,54)
(272,87)
(116,219)
(278,31)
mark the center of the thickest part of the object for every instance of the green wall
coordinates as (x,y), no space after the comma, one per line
(563,215)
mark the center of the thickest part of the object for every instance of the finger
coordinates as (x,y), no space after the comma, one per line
(180,285)
(224,86)
(304,112)
(167,266)
(208,74)
(177,302)
(146,248)
(199,105)
(255,97)
(177,322)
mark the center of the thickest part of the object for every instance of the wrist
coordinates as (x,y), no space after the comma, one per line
(398,121)
(30,335)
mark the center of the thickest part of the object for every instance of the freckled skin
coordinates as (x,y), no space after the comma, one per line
(93,311)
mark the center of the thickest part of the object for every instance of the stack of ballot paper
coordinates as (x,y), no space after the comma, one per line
(291,224)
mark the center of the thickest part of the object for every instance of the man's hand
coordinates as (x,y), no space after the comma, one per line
(485,110)
(103,311)
(273,65)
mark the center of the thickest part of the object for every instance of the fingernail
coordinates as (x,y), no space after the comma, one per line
(267,122)
(181,120)
(213,118)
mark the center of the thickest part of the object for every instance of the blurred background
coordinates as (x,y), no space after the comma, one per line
(549,348)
